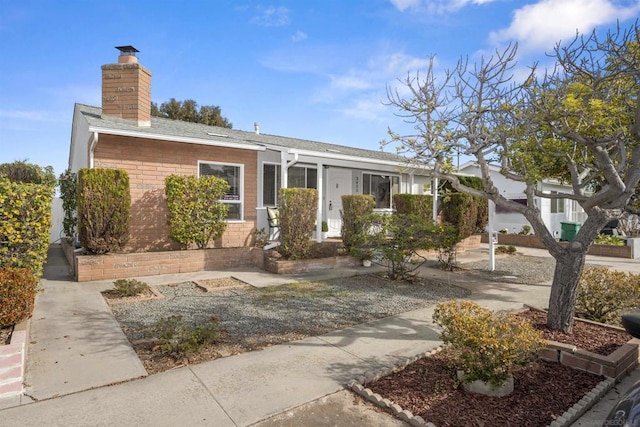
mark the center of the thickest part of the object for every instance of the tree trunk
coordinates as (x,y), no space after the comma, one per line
(562,300)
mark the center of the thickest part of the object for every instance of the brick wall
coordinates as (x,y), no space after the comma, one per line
(120,266)
(12,361)
(532,241)
(148,162)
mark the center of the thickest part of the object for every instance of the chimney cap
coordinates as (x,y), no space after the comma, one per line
(127,50)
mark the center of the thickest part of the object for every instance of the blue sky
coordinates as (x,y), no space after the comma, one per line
(309,69)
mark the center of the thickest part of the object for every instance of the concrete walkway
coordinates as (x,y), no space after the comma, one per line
(82,371)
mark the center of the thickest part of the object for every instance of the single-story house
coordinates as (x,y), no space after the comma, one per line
(122,134)
(553,211)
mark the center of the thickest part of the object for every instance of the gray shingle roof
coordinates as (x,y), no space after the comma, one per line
(179,129)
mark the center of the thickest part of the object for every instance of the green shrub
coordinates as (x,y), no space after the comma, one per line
(603,294)
(398,238)
(461,210)
(25,220)
(104,204)
(605,239)
(481,205)
(297,213)
(486,345)
(510,250)
(355,208)
(129,287)
(526,229)
(196,214)
(68,184)
(180,338)
(17,295)
(417,204)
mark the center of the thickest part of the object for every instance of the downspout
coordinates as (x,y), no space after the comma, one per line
(92,148)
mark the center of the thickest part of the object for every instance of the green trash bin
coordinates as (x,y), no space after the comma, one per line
(568,231)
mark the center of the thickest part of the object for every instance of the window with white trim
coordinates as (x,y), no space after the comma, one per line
(557,205)
(232,173)
(381,187)
(298,177)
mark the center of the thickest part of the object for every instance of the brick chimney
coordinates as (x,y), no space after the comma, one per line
(126,88)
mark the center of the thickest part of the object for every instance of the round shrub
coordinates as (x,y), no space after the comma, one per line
(17,295)
(603,294)
(485,344)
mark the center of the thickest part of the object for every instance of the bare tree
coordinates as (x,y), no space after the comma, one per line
(578,123)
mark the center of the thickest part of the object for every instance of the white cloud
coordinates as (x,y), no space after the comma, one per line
(34,116)
(271,16)
(299,36)
(541,25)
(436,6)
(403,5)
(367,108)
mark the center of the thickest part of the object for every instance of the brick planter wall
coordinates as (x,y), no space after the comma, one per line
(140,264)
(532,241)
(299,266)
(12,361)
(616,365)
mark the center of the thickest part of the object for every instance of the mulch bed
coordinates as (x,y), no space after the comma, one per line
(428,387)
(586,336)
(543,390)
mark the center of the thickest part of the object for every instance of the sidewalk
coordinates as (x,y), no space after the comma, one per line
(77,348)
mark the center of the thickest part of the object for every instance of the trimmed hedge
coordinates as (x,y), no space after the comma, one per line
(355,208)
(196,214)
(104,205)
(297,214)
(416,204)
(25,220)
(460,210)
(17,295)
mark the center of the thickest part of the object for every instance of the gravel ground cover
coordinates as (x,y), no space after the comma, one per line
(251,318)
(513,269)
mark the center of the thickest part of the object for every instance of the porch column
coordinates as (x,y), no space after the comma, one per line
(284,173)
(320,175)
(434,193)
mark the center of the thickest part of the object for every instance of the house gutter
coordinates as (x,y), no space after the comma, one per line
(187,140)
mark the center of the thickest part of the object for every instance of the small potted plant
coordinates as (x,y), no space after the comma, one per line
(366,257)
(325,229)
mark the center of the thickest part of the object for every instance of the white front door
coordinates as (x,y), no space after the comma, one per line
(338,184)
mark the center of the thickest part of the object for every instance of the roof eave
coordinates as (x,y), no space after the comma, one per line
(183,139)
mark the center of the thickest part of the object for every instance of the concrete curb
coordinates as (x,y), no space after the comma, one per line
(13,359)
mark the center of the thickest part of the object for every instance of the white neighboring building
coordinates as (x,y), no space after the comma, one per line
(553,211)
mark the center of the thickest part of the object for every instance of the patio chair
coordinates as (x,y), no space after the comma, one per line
(273,216)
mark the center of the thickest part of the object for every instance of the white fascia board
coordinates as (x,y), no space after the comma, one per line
(172,138)
(337,156)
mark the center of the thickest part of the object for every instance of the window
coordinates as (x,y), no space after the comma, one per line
(298,177)
(270,184)
(301,177)
(233,175)
(381,187)
(557,205)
